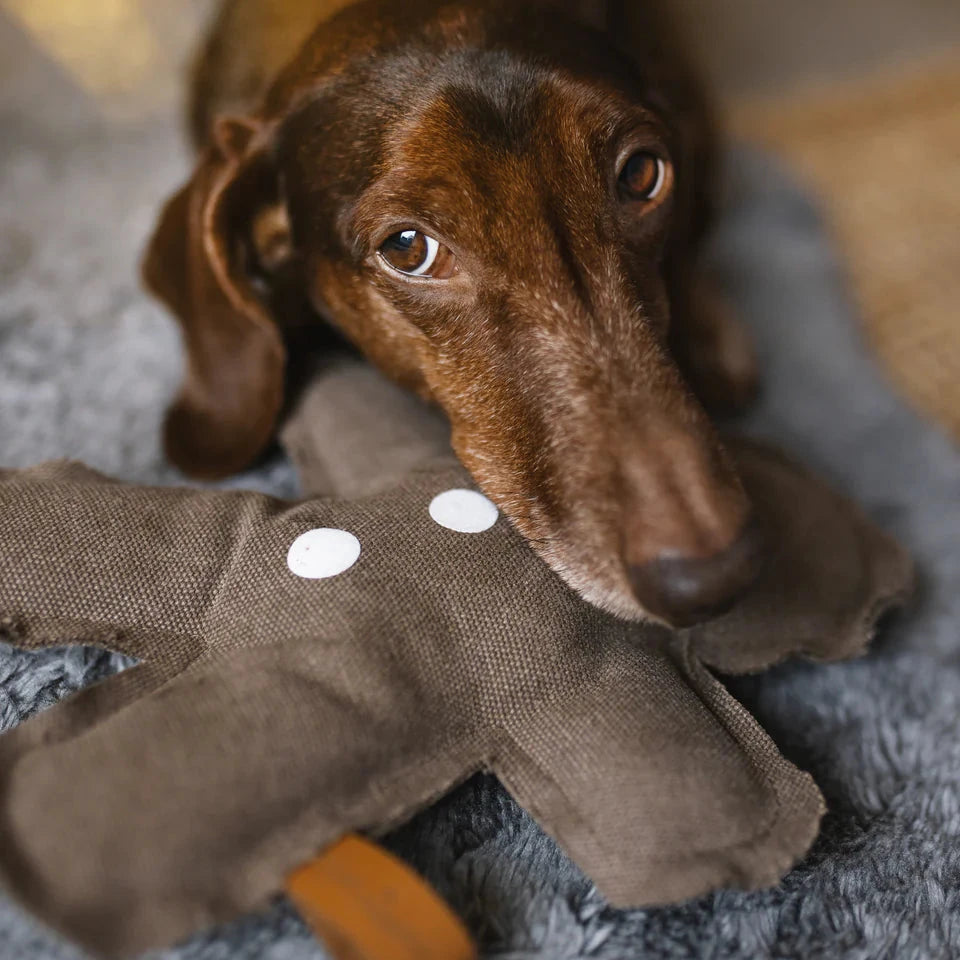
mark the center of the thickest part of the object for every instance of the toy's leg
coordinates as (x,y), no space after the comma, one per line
(73,716)
(659,784)
(242,768)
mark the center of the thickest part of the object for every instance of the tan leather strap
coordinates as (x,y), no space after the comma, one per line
(365,904)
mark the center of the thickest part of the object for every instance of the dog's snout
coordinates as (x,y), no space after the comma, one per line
(687,590)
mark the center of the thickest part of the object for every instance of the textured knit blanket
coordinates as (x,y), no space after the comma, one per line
(87,364)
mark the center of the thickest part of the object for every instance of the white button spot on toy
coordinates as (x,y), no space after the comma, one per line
(322,553)
(465,511)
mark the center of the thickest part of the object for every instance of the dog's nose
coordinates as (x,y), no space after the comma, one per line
(687,590)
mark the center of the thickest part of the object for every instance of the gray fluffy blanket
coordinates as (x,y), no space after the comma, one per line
(86,366)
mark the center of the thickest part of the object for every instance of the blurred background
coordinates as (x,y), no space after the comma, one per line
(123,57)
(862,96)
(765,48)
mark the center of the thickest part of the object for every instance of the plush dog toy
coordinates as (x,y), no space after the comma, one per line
(312,669)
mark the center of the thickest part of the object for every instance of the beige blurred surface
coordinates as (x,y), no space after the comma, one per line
(117,59)
(845,91)
(772,47)
(125,58)
(884,155)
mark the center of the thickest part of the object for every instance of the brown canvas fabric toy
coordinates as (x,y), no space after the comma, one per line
(275,710)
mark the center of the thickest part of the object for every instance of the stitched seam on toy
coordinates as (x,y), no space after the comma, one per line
(19,631)
(776,813)
(573,809)
(209,607)
(473,746)
(445,749)
(403,812)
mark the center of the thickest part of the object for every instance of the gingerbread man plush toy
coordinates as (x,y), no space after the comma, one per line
(311,669)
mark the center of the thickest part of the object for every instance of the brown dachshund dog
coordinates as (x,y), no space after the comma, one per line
(499,202)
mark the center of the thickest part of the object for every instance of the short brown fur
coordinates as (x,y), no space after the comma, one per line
(561,349)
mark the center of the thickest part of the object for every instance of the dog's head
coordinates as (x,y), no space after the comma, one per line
(481,197)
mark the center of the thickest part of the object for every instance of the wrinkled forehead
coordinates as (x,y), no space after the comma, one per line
(416,127)
(500,104)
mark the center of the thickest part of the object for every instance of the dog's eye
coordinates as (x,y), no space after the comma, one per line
(643,177)
(417,255)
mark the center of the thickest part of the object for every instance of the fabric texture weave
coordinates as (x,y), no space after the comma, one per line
(271,714)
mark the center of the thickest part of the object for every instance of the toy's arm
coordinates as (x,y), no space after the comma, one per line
(86,560)
(829,573)
(187,788)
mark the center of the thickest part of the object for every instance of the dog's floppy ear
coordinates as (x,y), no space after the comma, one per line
(201,263)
